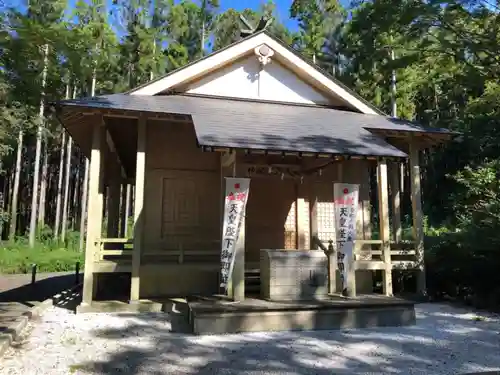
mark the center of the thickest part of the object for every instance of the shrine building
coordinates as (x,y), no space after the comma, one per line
(259,111)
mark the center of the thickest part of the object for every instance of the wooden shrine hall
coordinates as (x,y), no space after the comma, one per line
(256,110)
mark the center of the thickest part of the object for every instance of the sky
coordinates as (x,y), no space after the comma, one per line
(283,7)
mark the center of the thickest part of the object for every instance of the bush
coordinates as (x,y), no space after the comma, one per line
(49,256)
(466,263)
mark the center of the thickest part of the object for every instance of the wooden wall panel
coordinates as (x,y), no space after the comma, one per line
(172,145)
(182,190)
(270,218)
(182,209)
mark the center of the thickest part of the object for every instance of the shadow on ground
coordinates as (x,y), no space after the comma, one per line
(39,291)
(18,295)
(442,342)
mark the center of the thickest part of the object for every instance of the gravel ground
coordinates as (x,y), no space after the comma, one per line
(446,340)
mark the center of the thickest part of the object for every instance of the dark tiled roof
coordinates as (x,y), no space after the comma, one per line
(263,125)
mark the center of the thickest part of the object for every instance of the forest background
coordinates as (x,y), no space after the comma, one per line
(444,54)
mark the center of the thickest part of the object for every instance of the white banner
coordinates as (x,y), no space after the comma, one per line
(346,210)
(234,210)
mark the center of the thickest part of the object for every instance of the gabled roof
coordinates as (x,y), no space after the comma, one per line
(283,53)
(267,126)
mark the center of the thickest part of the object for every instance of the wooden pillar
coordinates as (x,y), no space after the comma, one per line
(123,212)
(397,231)
(402,177)
(114,198)
(349,174)
(128,197)
(313,216)
(300,205)
(140,174)
(333,256)
(236,284)
(95,206)
(364,278)
(383,204)
(365,196)
(418,223)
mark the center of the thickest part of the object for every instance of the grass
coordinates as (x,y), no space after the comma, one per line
(48,255)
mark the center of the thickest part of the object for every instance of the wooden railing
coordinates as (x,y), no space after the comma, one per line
(369,254)
(122,249)
(114,247)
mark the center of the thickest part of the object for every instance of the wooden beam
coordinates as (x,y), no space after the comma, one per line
(397,231)
(383,205)
(95,207)
(123,113)
(79,121)
(112,148)
(228,158)
(140,175)
(418,223)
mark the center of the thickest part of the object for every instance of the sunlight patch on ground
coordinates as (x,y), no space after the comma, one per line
(445,340)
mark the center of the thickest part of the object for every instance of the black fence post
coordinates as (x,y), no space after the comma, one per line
(77,273)
(33,273)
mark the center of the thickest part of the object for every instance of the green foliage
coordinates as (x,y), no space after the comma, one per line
(466,262)
(228,26)
(446,63)
(49,256)
(317,20)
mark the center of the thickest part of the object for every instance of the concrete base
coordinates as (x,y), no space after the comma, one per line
(218,315)
(213,316)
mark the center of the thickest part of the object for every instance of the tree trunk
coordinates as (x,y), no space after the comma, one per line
(394,110)
(59,187)
(151,73)
(67,172)
(8,195)
(15,189)
(75,196)
(61,173)
(203,37)
(83,216)
(34,198)
(64,225)
(43,188)
(3,180)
